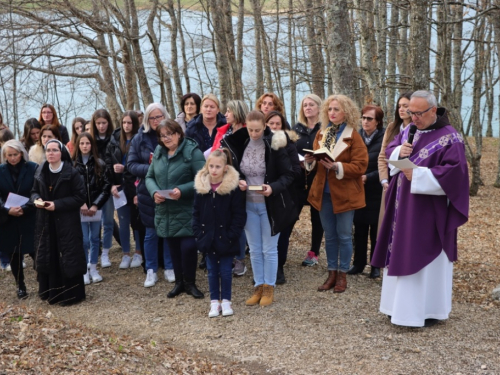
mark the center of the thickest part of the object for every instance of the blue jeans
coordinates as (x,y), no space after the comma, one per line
(243,245)
(91,240)
(220,276)
(4,259)
(338,235)
(151,251)
(108,210)
(263,246)
(137,242)
(124,221)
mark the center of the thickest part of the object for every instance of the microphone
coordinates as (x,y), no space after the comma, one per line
(411,133)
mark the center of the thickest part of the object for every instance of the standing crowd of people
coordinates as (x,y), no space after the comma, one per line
(217,184)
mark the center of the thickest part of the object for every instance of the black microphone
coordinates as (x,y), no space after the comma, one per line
(411,133)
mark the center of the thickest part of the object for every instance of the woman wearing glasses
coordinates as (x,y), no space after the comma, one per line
(48,116)
(170,181)
(139,158)
(58,193)
(366,219)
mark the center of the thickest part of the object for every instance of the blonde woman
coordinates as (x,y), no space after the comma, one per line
(337,189)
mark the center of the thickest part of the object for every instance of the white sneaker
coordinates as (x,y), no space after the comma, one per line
(170,276)
(7,268)
(126,260)
(24,264)
(136,261)
(151,279)
(86,278)
(105,261)
(227,308)
(214,309)
(96,278)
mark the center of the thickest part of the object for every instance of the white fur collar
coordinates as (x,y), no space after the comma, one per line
(229,182)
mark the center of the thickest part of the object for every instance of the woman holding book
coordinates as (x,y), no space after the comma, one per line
(337,189)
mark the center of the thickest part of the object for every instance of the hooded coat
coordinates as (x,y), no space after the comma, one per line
(172,218)
(218,216)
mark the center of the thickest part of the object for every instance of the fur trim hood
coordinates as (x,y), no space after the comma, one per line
(229,182)
(279,140)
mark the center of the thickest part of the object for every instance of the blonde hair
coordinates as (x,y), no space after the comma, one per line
(350,109)
(315,98)
(211,97)
(222,153)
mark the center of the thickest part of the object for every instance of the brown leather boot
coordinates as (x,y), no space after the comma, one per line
(257,295)
(330,282)
(341,283)
(267,295)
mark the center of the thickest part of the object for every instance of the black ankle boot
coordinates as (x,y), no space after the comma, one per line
(280,276)
(354,270)
(203,263)
(176,290)
(192,290)
(21,292)
(374,273)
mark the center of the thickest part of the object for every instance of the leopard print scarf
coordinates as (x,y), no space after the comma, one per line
(330,137)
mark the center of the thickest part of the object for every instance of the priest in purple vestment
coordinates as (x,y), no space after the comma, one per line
(417,241)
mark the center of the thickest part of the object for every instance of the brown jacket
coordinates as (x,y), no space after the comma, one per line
(346,188)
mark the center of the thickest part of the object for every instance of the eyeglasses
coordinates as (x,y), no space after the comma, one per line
(156,118)
(52,150)
(46,112)
(369,119)
(417,114)
(167,136)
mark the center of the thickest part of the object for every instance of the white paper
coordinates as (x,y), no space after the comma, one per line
(165,193)
(301,158)
(207,152)
(14,200)
(89,219)
(120,201)
(402,164)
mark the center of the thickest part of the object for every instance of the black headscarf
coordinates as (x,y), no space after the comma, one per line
(65,156)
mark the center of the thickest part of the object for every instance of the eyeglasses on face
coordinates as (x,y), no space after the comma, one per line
(417,114)
(156,118)
(369,119)
(167,136)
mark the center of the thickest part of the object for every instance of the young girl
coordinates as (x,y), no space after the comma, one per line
(97,192)
(37,152)
(101,129)
(77,128)
(219,216)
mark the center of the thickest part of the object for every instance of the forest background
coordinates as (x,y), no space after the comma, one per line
(125,54)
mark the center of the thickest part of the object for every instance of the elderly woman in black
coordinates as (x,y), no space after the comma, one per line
(58,193)
(17,221)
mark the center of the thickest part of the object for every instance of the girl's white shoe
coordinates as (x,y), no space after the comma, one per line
(214,309)
(227,308)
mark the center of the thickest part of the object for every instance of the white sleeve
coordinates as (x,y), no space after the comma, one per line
(394,156)
(424,182)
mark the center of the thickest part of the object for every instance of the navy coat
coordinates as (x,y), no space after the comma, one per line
(195,126)
(17,233)
(219,217)
(140,153)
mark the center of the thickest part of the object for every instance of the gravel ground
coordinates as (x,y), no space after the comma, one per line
(304,331)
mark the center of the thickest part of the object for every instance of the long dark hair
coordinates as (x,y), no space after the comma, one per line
(93,151)
(135,129)
(29,125)
(52,128)
(394,128)
(273,113)
(101,113)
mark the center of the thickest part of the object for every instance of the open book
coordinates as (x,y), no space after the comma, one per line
(320,154)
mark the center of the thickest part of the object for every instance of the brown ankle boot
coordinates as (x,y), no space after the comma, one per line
(267,295)
(257,295)
(341,283)
(330,282)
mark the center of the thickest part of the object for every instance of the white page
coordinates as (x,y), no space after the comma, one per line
(120,201)
(14,200)
(207,152)
(402,164)
(165,193)
(89,219)
(301,158)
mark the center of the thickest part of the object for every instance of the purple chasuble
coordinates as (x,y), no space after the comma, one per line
(417,227)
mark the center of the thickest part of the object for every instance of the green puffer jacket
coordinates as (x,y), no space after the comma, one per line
(173,217)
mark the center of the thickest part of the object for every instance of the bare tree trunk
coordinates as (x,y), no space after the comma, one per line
(489,83)
(495,20)
(457,63)
(174,27)
(403,48)
(418,50)
(381,42)
(183,49)
(391,64)
(259,74)
(314,49)
(341,69)
(291,66)
(239,35)
(234,69)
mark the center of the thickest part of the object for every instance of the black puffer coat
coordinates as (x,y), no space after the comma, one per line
(195,126)
(114,155)
(306,140)
(373,188)
(97,188)
(68,197)
(280,207)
